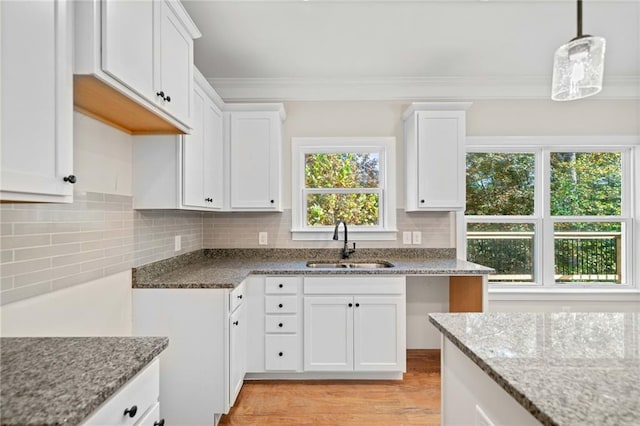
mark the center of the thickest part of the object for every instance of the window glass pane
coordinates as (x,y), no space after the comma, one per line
(500,183)
(588,252)
(506,247)
(354,209)
(342,170)
(586,183)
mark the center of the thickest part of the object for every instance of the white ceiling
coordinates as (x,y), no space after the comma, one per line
(341,49)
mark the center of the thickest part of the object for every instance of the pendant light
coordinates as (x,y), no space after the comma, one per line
(578,66)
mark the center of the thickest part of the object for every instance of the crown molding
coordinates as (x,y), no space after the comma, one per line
(404,88)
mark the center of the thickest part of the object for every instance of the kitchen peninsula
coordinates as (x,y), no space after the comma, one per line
(561,368)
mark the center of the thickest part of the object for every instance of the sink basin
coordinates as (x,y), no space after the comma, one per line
(348,265)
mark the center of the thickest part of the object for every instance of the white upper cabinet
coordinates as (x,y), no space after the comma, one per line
(134,64)
(183,172)
(434,135)
(255,150)
(203,161)
(174,72)
(127,43)
(37,102)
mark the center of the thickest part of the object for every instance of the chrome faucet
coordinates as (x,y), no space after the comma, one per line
(346,251)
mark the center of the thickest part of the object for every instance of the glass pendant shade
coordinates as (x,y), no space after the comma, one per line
(578,68)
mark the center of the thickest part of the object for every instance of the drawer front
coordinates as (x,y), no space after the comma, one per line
(281,323)
(281,304)
(281,352)
(152,416)
(354,285)
(236,297)
(282,285)
(142,392)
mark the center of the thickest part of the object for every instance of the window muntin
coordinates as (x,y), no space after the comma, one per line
(601,177)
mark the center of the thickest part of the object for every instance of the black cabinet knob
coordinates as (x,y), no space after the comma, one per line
(168,99)
(350,304)
(159,423)
(272,201)
(235,323)
(422,201)
(209,200)
(71,179)
(357,305)
(280,305)
(280,285)
(240,297)
(280,354)
(280,325)
(160,93)
(131,411)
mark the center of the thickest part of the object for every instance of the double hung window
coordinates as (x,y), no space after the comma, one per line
(343,179)
(550,212)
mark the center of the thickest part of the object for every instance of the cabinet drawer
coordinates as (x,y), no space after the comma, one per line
(282,285)
(142,392)
(152,416)
(281,352)
(354,285)
(281,324)
(281,304)
(236,297)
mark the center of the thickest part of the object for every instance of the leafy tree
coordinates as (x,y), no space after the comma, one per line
(342,171)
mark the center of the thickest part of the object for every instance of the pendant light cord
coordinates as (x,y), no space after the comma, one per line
(579,19)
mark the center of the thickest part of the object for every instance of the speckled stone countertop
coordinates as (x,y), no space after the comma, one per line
(227,268)
(564,368)
(63,380)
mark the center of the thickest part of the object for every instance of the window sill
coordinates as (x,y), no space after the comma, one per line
(354,235)
(626,294)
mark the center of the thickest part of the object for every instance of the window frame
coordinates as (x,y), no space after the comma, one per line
(384,146)
(544,222)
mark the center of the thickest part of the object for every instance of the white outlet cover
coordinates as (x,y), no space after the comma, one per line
(262,238)
(406,237)
(417,237)
(178,243)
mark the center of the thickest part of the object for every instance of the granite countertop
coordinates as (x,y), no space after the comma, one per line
(564,368)
(227,268)
(63,380)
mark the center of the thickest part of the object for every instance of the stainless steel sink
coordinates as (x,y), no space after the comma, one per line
(347,265)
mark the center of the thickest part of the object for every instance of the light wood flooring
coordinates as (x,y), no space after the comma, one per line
(412,401)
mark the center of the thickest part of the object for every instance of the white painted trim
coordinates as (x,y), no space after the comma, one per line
(253,107)
(408,88)
(578,294)
(384,145)
(203,84)
(533,143)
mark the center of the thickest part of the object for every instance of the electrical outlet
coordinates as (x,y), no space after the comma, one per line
(177,245)
(406,237)
(417,237)
(262,238)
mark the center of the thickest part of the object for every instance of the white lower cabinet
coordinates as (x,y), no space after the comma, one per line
(203,366)
(362,328)
(136,403)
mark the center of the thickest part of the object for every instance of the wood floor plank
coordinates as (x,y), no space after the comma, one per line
(415,400)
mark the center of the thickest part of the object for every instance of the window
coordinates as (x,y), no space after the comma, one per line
(343,179)
(551,212)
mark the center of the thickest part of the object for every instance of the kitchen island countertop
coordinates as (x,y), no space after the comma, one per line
(228,268)
(564,368)
(63,380)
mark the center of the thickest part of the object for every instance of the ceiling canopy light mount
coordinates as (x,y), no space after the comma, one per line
(578,66)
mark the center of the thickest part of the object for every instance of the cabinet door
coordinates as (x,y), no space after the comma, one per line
(237,351)
(328,333)
(193,158)
(379,333)
(441,174)
(127,44)
(37,101)
(255,161)
(213,156)
(175,71)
